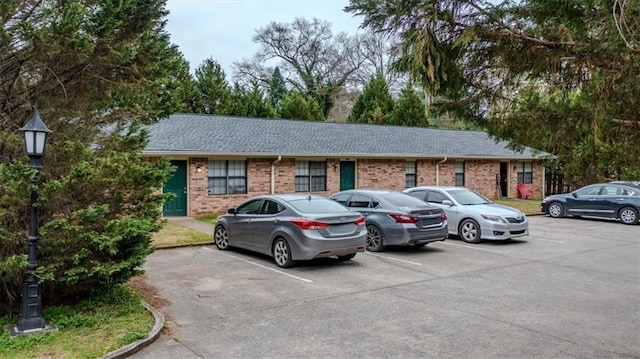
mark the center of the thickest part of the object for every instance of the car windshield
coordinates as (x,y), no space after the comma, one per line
(317,205)
(400,199)
(467,197)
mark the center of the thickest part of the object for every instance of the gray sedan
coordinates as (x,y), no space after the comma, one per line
(394,218)
(472,216)
(291,227)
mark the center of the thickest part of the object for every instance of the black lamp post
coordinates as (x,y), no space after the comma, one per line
(31,320)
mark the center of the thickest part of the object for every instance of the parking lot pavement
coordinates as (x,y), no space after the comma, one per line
(570,290)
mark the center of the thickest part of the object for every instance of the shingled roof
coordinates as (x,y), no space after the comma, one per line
(207,135)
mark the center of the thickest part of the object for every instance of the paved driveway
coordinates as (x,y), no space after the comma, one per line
(569,290)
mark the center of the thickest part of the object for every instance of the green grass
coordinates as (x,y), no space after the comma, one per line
(174,234)
(89,329)
(527,206)
(208,218)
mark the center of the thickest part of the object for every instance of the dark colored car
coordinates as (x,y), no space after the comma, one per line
(395,218)
(292,227)
(607,200)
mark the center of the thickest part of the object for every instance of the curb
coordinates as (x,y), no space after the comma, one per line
(142,343)
(195,244)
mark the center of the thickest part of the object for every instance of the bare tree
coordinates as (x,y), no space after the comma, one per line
(378,54)
(311,59)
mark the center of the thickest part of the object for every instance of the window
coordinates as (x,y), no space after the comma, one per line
(251,207)
(419,194)
(311,176)
(271,207)
(589,191)
(459,171)
(227,177)
(435,197)
(410,173)
(341,198)
(525,172)
(360,201)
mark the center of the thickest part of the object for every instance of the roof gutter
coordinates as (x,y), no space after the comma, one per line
(273,174)
(438,170)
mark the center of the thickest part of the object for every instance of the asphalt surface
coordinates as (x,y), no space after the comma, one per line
(569,290)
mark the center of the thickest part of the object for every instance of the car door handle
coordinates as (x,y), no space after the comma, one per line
(276,220)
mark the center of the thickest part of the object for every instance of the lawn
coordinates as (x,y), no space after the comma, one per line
(89,329)
(98,326)
(527,206)
(174,234)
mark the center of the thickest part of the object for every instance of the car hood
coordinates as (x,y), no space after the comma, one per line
(557,196)
(493,209)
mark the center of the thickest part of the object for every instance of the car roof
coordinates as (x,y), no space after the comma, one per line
(627,183)
(370,191)
(290,196)
(444,188)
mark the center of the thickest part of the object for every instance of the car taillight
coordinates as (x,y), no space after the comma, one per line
(360,222)
(443,216)
(403,218)
(309,224)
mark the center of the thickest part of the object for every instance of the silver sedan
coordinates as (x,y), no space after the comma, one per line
(291,227)
(472,216)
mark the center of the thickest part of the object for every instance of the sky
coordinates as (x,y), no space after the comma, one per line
(222,29)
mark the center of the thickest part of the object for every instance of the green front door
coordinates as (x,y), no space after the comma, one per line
(347,175)
(177,206)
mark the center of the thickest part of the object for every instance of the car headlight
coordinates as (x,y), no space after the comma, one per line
(491,218)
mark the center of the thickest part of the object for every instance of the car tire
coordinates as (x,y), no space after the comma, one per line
(628,215)
(555,210)
(470,231)
(282,254)
(221,238)
(374,238)
(346,257)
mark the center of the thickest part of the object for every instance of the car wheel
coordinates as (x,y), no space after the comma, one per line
(628,215)
(346,257)
(282,254)
(470,231)
(221,238)
(555,210)
(374,238)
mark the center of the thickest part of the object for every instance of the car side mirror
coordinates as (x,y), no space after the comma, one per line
(232,211)
(446,202)
(574,195)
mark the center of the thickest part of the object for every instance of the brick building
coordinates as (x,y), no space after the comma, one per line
(222,160)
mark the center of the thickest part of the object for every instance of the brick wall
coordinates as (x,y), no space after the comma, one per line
(388,174)
(370,173)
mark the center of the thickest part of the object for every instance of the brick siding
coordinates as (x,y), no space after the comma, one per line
(480,175)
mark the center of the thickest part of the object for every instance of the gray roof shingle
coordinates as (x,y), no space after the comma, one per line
(195,134)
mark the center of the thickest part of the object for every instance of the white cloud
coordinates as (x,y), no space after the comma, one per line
(223,29)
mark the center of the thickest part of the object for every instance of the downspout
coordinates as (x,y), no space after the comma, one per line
(438,170)
(273,174)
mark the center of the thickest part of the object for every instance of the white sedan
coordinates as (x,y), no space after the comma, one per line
(472,216)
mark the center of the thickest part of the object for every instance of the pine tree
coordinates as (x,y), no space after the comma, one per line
(409,109)
(375,103)
(298,107)
(211,83)
(98,71)
(277,87)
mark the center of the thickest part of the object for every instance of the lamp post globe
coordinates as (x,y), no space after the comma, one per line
(31,319)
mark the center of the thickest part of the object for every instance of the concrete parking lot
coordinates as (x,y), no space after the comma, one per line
(569,290)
